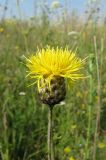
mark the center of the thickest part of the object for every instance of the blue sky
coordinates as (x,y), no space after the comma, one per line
(28,7)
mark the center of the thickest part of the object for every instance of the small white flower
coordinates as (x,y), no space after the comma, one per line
(55,4)
(93,1)
(62,103)
(22,93)
(72,33)
(83,112)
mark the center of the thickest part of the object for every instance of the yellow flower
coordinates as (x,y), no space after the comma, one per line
(97,98)
(79,94)
(74,126)
(50,62)
(16,47)
(101,145)
(1,30)
(71,158)
(67,149)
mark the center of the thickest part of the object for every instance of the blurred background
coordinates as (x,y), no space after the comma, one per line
(80,121)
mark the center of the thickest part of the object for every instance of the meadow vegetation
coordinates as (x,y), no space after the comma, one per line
(79,122)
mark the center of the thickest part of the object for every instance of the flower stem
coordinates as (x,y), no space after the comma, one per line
(89,115)
(50,135)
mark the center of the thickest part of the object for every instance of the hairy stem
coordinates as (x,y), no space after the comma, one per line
(98,102)
(90,105)
(50,135)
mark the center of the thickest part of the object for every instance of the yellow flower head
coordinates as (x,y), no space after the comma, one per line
(1,30)
(73,126)
(71,158)
(67,149)
(101,145)
(50,62)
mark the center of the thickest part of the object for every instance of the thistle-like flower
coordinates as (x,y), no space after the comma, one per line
(52,69)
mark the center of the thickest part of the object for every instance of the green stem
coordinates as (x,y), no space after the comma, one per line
(90,105)
(98,108)
(50,135)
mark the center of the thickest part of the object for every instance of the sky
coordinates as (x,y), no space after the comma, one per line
(28,6)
